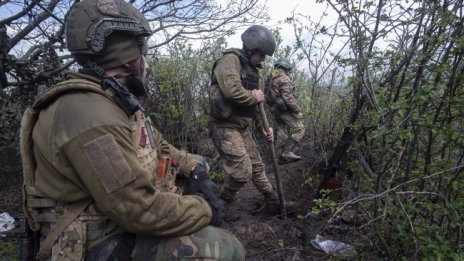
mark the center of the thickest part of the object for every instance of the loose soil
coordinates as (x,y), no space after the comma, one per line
(264,237)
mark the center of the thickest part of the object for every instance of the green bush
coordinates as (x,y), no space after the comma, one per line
(9,250)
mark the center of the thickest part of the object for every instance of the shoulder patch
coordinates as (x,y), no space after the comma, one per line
(108,7)
(109,164)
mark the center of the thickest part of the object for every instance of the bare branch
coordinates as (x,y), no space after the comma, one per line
(41,17)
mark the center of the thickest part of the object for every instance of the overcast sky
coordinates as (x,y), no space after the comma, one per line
(281,9)
(278,11)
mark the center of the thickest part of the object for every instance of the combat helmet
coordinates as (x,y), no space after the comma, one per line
(258,37)
(91,24)
(284,64)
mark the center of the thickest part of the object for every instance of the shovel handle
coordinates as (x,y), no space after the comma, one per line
(283,209)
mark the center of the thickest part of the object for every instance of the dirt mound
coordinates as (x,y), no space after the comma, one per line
(276,238)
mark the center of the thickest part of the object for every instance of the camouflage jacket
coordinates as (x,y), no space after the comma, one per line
(84,149)
(283,87)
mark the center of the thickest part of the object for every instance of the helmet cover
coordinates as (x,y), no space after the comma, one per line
(284,64)
(91,22)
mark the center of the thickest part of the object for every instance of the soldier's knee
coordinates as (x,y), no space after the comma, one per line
(210,243)
(227,246)
(242,173)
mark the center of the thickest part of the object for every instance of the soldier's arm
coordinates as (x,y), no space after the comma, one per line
(227,73)
(285,88)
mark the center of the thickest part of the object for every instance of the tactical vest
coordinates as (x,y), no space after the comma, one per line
(147,154)
(55,219)
(249,78)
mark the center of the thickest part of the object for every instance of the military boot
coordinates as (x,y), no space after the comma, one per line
(272,204)
(229,193)
(288,155)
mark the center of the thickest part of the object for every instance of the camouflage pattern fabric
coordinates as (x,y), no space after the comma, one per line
(288,126)
(240,156)
(71,244)
(209,243)
(283,87)
(117,247)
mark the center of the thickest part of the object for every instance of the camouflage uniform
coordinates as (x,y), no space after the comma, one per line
(235,77)
(87,149)
(90,163)
(289,129)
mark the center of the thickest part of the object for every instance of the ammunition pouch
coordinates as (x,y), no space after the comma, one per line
(219,107)
(144,139)
(280,104)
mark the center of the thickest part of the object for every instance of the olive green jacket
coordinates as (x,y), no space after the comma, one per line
(78,125)
(283,87)
(227,76)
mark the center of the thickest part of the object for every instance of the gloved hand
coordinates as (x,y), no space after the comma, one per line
(199,183)
(218,214)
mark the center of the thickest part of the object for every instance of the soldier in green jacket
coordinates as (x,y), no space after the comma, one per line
(288,117)
(234,98)
(93,186)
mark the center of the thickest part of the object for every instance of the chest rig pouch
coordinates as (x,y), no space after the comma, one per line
(152,157)
(250,80)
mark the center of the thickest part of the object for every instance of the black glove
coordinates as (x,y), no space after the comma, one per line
(218,214)
(199,183)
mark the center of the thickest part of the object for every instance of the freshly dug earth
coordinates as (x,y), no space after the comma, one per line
(278,238)
(264,237)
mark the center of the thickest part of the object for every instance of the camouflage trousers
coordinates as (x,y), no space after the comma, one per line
(288,126)
(208,243)
(240,156)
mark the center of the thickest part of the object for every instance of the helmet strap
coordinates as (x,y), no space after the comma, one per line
(248,53)
(97,69)
(120,92)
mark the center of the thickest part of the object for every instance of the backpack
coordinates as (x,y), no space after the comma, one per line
(272,99)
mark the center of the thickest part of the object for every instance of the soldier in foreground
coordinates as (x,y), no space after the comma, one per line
(234,98)
(98,184)
(288,117)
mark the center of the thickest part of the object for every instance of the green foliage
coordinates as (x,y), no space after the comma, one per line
(408,84)
(423,233)
(325,202)
(217,175)
(9,250)
(178,92)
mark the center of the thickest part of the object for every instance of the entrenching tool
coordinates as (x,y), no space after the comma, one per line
(283,209)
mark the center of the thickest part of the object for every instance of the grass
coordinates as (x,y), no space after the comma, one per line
(9,250)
